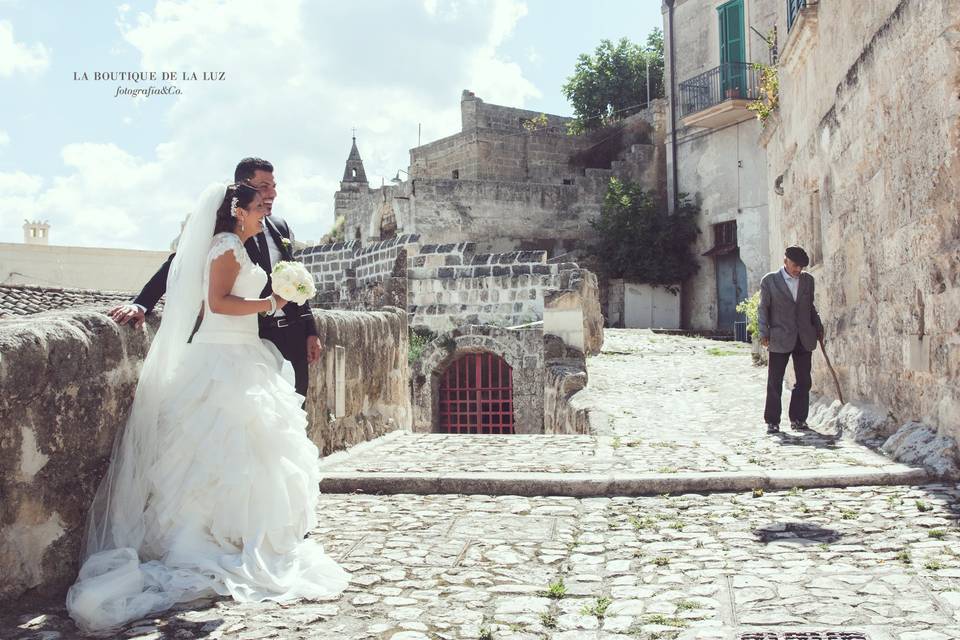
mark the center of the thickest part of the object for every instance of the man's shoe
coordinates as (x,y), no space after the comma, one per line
(799,425)
(773,428)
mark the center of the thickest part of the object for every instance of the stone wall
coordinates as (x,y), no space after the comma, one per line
(864,173)
(451,285)
(522,349)
(494,145)
(68,379)
(505,188)
(350,275)
(78,267)
(572,311)
(566,374)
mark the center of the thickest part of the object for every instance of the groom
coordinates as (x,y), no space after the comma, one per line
(292,328)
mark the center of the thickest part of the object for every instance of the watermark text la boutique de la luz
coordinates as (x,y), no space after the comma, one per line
(135,84)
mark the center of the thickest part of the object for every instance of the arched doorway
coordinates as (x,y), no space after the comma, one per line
(476,395)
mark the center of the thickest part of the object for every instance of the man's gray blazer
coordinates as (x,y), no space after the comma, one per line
(783,320)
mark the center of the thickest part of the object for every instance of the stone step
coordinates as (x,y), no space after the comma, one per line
(583,485)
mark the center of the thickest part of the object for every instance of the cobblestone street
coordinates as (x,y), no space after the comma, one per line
(880,560)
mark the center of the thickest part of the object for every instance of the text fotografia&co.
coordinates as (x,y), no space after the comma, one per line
(150,76)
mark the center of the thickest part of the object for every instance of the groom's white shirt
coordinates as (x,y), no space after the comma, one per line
(274,258)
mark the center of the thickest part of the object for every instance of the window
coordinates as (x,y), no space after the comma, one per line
(33,233)
(456,174)
(353,173)
(725,233)
(733,70)
(568,181)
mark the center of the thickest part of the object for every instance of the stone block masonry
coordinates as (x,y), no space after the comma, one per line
(450,285)
(68,380)
(342,268)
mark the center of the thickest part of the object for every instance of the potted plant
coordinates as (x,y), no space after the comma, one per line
(750,307)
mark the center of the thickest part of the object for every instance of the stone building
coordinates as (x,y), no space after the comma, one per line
(479,244)
(38,263)
(863,172)
(507,181)
(713,154)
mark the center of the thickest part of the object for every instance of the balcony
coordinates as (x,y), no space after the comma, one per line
(802,30)
(720,96)
(794,8)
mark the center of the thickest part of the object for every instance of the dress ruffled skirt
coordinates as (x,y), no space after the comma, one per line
(233,493)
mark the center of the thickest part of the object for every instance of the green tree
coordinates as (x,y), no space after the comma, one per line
(638,240)
(612,83)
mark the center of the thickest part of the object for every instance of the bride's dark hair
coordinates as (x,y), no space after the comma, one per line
(244,194)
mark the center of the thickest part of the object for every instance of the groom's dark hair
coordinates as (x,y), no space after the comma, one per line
(248,166)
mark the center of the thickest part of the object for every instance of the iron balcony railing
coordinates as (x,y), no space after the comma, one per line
(793,10)
(729,81)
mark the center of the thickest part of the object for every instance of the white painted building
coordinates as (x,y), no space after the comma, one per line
(713,153)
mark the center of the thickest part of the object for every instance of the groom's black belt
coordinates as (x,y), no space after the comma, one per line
(283,321)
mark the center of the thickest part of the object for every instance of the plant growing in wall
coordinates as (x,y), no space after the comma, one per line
(336,234)
(639,240)
(769,91)
(538,123)
(418,337)
(769,83)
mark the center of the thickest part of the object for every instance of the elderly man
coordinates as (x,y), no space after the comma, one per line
(789,326)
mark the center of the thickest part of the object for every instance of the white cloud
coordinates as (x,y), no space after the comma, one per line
(297,81)
(17,57)
(18,184)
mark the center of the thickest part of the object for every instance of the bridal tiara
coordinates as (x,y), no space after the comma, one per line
(233,206)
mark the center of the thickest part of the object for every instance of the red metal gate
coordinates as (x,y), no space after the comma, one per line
(476,395)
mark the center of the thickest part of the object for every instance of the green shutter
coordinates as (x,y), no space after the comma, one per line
(732,46)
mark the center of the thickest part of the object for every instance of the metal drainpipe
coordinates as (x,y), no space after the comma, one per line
(673,109)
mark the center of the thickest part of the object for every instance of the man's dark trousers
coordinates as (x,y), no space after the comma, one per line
(800,398)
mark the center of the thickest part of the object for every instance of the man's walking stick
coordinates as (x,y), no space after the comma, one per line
(833,373)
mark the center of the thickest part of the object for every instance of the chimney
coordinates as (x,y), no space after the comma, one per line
(36,232)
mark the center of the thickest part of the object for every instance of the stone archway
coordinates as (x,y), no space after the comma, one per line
(521,351)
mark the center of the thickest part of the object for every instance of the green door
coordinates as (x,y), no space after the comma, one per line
(733,71)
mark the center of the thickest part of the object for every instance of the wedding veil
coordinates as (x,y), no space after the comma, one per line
(116,517)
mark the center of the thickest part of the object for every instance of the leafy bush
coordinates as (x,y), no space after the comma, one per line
(612,83)
(637,239)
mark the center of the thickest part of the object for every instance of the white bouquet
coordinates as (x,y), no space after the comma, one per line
(292,281)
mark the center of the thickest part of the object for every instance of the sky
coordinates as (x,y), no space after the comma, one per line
(289,80)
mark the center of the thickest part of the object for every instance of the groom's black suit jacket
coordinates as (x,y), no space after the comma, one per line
(278,229)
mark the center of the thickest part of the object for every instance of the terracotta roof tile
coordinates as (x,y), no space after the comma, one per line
(22,300)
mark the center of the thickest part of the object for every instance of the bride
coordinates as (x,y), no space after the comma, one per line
(213,483)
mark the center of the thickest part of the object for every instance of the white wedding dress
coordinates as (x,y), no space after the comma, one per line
(232,489)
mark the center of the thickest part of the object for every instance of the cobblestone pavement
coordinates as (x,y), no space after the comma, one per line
(884,561)
(658,403)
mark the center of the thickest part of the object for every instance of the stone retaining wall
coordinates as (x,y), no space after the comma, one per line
(67,381)
(865,172)
(451,285)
